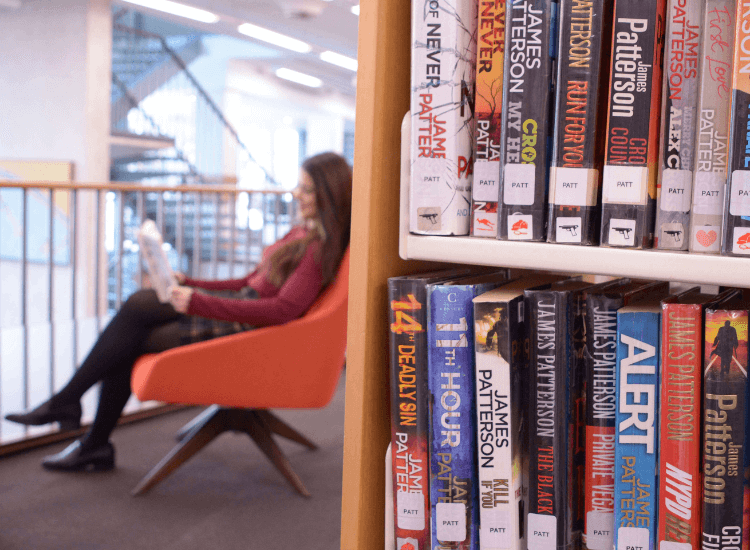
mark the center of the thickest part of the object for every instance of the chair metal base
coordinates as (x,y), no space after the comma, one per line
(259,424)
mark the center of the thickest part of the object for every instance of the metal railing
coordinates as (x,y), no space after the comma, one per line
(69,257)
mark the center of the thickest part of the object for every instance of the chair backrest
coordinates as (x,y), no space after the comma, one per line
(294,365)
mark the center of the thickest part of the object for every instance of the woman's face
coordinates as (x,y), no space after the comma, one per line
(305,195)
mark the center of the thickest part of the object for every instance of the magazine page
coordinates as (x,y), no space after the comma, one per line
(157,264)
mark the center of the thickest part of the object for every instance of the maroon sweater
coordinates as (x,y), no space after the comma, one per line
(275,305)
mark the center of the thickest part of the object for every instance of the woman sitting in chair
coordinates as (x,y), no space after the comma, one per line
(292,273)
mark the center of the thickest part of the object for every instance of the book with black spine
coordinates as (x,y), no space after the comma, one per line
(736,238)
(580,122)
(556,353)
(527,119)
(712,137)
(725,401)
(443,59)
(488,114)
(678,123)
(631,163)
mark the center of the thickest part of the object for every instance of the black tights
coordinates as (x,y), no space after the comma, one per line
(142,325)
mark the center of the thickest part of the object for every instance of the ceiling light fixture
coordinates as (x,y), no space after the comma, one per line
(175,8)
(274,38)
(340,60)
(355,10)
(299,78)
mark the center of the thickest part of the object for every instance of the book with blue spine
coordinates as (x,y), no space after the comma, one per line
(636,446)
(454,495)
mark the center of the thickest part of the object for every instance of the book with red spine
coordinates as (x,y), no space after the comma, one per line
(488,106)
(679,505)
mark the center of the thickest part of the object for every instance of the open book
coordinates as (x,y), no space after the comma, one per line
(157,264)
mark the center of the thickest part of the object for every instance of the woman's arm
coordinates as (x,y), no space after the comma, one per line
(295,296)
(227,284)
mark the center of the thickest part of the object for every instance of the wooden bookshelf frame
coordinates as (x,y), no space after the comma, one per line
(382,101)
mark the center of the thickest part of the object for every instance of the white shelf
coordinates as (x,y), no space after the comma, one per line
(703,269)
(617,262)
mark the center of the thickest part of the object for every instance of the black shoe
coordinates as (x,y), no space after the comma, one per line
(69,416)
(76,458)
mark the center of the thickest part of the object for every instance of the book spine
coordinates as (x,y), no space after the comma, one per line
(550,518)
(580,120)
(630,170)
(601,410)
(679,509)
(736,238)
(409,412)
(528,92)
(442,105)
(453,473)
(501,359)
(636,458)
(724,424)
(488,113)
(711,142)
(678,123)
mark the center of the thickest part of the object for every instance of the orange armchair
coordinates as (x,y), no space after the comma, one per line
(294,365)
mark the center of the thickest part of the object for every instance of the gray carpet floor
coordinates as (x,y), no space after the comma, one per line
(228,496)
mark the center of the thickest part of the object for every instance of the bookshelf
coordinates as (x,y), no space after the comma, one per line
(382,247)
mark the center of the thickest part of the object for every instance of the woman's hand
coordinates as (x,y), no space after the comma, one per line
(180,277)
(179,297)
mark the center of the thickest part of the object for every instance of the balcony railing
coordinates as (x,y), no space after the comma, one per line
(69,257)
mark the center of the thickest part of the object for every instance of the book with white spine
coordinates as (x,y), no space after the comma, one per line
(442,109)
(712,137)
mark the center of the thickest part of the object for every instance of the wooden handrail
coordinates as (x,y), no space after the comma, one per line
(130,187)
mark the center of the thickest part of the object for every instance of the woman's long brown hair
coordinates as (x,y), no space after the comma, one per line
(332,177)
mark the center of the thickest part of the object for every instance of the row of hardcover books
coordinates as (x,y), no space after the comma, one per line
(543,412)
(583,122)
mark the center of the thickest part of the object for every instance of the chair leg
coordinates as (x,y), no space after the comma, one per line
(283,429)
(196,438)
(259,430)
(207,412)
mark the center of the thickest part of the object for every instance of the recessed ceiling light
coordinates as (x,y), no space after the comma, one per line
(175,8)
(340,60)
(355,10)
(299,78)
(274,38)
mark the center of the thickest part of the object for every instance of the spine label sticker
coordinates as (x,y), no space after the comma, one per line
(739,202)
(496,532)
(571,185)
(676,187)
(486,177)
(600,530)
(632,537)
(568,230)
(410,510)
(451,521)
(542,532)
(708,195)
(518,187)
(624,184)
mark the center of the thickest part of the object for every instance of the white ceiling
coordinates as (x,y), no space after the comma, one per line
(322,24)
